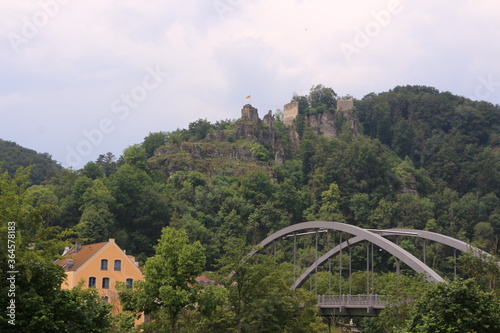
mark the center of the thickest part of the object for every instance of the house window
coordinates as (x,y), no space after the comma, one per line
(105,299)
(104,264)
(130,283)
(105,283)
(118,265)
(92,281)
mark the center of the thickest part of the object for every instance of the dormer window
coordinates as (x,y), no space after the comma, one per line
(104,264)
(118,265)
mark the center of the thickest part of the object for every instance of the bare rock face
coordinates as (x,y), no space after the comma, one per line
(263,136)
(269,119)
(249,113)
(409,184)
(353,121)
(294,137)
(323,124)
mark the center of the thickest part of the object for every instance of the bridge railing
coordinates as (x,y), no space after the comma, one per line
(351,300)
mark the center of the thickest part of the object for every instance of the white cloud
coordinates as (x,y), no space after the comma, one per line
(66,76)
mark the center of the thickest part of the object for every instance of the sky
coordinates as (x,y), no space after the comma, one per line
(83,78)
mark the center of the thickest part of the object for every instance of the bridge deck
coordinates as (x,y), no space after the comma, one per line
(350,305)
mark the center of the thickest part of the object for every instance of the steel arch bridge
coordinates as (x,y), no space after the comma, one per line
(376,237)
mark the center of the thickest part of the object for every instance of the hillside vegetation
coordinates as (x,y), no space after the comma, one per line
(13,156)
(412,157)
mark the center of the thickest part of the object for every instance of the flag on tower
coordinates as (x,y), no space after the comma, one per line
(248,97)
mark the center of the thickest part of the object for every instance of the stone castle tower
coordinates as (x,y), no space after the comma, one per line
(345,104)
(290,112)
(249,113)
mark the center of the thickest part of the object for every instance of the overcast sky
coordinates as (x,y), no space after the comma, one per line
(81,78)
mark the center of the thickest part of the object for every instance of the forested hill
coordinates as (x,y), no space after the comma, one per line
(419,121)
(412,157)
(13,156)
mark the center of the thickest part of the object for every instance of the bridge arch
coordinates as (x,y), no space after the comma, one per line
(446,240)
(360,234)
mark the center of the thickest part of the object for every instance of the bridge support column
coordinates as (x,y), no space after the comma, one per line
(316,269)
(294,256)
(455,264)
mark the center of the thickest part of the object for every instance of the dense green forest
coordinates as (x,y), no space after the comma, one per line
(13,156)
(412,157)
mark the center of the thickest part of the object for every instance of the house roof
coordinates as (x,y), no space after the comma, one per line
(204,279)
(79,255)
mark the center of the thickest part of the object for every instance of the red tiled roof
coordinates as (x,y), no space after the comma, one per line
(203,278)
(81,256)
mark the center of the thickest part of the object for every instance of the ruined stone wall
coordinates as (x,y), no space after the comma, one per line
(345,104)
(290,112)
(249,113)
(269,119)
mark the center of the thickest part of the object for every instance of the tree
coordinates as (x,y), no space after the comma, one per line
(199,129)
(108,163)
(413,212)
(458,306)
(259,295)
(97,222)
(13,157)
(40,303)
(93,170)
(484,269)
(330,201)
(127,186)
(169,285)
(44,199)
(154,141)
(320,95)
(302,101)
(402,291)
(70,192)
(257,187)
(135,155)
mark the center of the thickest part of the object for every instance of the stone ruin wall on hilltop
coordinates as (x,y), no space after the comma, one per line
(290,112)
(345,104)
(249,113)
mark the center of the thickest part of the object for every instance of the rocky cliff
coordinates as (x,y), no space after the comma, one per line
(236,151)
(249,143)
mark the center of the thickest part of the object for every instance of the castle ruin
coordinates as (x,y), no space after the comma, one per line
(322,123)
(290,112)
(249,113)
(345,104)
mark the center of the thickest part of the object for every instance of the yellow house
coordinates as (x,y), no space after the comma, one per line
(100,266)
